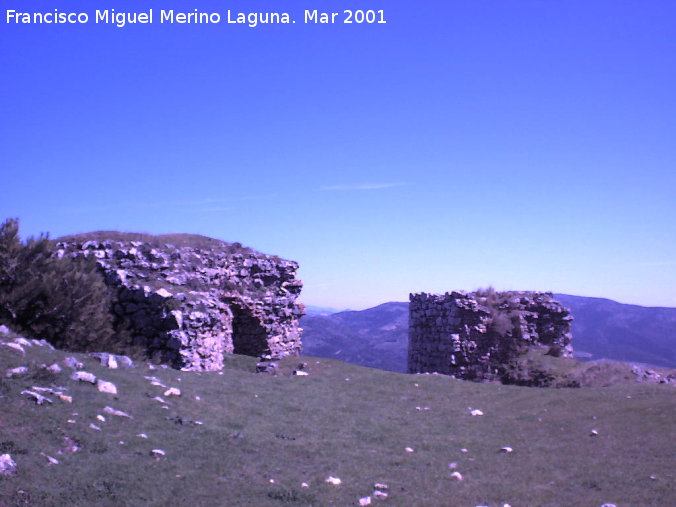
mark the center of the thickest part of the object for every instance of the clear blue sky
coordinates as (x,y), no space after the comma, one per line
(523,144)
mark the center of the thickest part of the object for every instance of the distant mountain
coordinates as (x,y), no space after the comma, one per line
(319,310)
(608,329)
(378,337)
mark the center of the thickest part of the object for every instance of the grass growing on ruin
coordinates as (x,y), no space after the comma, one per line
(261,437)
(160,240)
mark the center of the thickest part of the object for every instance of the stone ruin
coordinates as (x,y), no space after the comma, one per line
(190,306)
(470,335)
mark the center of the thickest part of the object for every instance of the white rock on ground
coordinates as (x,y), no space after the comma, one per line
(106,387)
(379,485)
(118,413)
(7,465)
(158,452)
(94,427)
(380,494)
(50,460)
(54,368)
(457,475)
(300,373)
(84,376)
(333,480)
(23,342)
(172,391)
(475,412)
(365,501)
(409,449)
(19,370)
(506,449)
(39,399)
(72,363)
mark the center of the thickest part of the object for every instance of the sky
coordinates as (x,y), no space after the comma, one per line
(527,145)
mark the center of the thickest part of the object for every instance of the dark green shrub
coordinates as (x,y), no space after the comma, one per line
(64,301)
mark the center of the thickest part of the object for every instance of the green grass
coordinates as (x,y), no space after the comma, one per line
(303,429)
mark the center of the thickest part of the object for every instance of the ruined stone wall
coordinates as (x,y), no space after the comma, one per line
(470,336)
(188,306)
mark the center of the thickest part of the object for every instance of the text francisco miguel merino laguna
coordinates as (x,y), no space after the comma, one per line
(251,19)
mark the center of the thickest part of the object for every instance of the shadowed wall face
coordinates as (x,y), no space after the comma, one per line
(249,337)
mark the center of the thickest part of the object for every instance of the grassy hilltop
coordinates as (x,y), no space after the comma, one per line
(241,438)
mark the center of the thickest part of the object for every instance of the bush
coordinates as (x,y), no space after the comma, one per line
(64,301)
(505,317)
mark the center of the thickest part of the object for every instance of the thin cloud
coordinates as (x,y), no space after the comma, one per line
(363,186)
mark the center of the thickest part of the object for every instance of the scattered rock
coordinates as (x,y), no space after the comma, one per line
(408,449)
(300,373)
(118,413)
(39,399)
(54,368)
(457,475)
(365,501)
(142,435)
(66,398)
(158,452)
(20,370)
(506,450)
(594,433)
(107,360)
(4,330)
(333,480)
(7,465)
(475,412)
(379,485)
(72,363)
(304,485)
(380,494)
(94,427)
(84,376)
(70,446)
(50,460)
(101,418)
(172,391)
(106,387)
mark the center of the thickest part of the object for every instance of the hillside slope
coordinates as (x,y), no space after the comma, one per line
(240,438)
